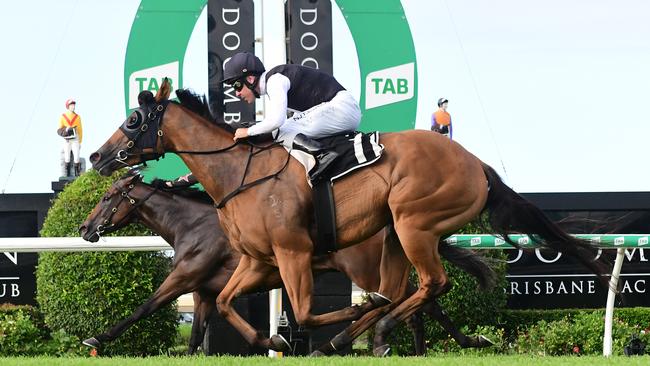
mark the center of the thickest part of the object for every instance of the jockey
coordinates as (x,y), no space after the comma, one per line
(322,106)
(441,119)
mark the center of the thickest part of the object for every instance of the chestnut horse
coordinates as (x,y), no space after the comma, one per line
(424,187)
(204,260)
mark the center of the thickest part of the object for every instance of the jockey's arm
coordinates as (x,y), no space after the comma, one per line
(277,87)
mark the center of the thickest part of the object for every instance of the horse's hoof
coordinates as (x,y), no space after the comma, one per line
(317,353)
(91,342)
(378,299)
(382,351)
(279,343)
(484,342)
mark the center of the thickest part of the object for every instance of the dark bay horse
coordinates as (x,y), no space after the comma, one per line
(424,187)
(204,260)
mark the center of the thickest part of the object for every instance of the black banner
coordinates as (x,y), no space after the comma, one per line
(546,280)
(309,33)
(231,29)
(17,278)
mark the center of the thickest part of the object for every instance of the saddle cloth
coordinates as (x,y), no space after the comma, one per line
(355,149)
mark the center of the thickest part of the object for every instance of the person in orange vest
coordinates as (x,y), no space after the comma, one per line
(441,119)
(72,132)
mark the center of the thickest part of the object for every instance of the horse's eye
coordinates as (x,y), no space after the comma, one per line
(134,120)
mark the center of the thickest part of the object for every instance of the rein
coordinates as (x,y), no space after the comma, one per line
(154,118)
(107,223)
(242,187)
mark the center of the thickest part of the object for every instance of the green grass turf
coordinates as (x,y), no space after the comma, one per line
(333,361)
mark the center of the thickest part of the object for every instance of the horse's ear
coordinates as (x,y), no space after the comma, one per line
(145,97)
(164,91)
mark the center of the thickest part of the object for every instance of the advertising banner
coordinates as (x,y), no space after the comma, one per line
(156,50)
(387,64)
(231,29)
(545,280)
(309,33)
(17,278)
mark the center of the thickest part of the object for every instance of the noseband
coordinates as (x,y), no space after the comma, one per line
(107,223)
(144,135)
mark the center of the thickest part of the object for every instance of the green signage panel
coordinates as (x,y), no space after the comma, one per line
(156,49)
(600,240)
(387,63)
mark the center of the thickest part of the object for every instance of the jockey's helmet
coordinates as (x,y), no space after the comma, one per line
(442,101)
(241,65)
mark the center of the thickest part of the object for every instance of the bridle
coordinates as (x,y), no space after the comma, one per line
(107,222)
(142,136)
(143,133)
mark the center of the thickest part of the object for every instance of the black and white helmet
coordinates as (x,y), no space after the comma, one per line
(442,101)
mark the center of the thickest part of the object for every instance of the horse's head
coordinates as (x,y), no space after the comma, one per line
(138,138)
(116,208)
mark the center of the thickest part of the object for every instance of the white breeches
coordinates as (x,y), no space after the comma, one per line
(340,114)
(71,145)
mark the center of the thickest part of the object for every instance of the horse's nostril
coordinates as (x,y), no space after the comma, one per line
(94,157)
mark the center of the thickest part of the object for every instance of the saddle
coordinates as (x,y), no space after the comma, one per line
(355,150)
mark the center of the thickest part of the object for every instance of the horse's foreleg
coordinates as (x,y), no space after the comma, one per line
(204,307)
(250,275)
(174,285)
(295,269)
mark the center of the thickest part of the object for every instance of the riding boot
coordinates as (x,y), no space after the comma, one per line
(68,170)
(323,157)
(64,170)
(77,169)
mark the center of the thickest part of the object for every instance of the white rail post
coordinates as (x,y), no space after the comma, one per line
(611,297)
(273,53)
(275,309)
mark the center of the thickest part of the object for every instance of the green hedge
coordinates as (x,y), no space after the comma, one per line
(23,333)
(86,293)
(579,332)
(547,332)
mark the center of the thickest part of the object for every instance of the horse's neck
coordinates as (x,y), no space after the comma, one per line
(164,218)
(185,131)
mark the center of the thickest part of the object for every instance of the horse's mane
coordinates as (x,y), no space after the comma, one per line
(199,105)
(194,194)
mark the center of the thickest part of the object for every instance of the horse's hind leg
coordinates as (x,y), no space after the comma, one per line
(204,307)
(394,271)
(438,313)
(421,249)
(416,324)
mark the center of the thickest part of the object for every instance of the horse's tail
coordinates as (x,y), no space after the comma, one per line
(509,213)
(470,262)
